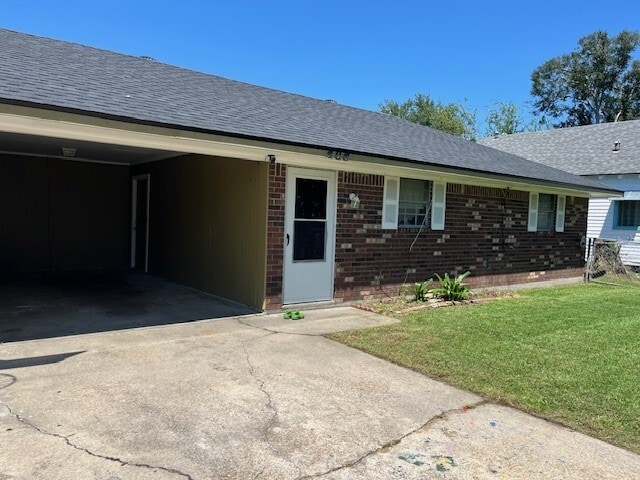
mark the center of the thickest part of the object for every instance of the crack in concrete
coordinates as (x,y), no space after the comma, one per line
(122,463)
(265,329)
(298,334)
(270,403)
(261,384)
(426,426)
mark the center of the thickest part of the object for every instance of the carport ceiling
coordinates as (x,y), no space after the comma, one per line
(98,152)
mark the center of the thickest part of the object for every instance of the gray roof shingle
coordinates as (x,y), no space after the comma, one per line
(586,150)
(60,75)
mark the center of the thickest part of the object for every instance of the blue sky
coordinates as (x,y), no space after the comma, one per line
(358,53)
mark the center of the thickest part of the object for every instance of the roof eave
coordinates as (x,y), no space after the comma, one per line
(445,169)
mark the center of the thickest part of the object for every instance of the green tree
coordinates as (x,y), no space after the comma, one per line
(508,118)
(599,82)
(452,118)
(504,118)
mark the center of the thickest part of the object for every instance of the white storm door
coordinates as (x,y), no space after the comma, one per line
(310,214)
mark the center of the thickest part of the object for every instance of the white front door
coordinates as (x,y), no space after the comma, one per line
(309,235)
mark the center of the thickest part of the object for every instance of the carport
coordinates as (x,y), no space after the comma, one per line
(71,303)
(97,236)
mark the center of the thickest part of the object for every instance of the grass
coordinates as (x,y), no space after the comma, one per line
(569,354)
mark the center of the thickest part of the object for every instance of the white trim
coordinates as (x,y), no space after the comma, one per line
(134,213)
(390,202)
(532,224)
(31,121)
(62,157)
(438,205)
(134,219)
(561,202)
(92,133)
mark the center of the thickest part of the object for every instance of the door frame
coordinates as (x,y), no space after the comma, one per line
(332,213)
(134,217)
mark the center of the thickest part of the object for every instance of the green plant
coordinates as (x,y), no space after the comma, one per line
(452,288)
(421,289)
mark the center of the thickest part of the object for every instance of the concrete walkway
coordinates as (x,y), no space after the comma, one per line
(259,397)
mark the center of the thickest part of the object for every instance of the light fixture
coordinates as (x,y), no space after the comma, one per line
(355,200)
(616,146)
(68,152)
(271,158)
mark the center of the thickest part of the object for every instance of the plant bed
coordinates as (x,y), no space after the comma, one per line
(400,305)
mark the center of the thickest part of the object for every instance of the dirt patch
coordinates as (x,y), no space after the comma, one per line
(397,306)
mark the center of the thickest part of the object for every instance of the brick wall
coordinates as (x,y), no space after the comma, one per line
(275,235)
(485,232)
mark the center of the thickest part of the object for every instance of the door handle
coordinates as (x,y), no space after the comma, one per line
(287,239)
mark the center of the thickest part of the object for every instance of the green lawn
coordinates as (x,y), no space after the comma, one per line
(569,354)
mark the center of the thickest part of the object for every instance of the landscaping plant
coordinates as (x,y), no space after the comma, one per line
(421,290)
(452,289)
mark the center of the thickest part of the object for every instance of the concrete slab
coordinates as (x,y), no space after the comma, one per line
(320,322)
(260,397)
(53,305)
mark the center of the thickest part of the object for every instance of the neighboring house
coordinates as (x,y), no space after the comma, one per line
(257,195)
(608,153)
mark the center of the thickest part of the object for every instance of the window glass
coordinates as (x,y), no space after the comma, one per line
(311,198)
(628,213)
(413,202)
(546,212)
(310,222)
(309,240)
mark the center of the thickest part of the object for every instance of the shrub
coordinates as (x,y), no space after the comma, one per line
(452,289)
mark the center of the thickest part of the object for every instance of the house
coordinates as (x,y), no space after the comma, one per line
(260,196)
(608,153)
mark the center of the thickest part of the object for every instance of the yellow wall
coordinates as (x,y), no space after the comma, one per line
(207,224)
(60,215)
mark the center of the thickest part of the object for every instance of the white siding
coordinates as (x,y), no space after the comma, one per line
(600,219)
(598,211)
(630,253)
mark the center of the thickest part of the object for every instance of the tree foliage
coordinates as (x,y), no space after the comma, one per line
(452,118)
(599,82)
(504,118)
(508,118)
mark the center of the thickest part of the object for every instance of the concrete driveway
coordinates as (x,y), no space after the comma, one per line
(259,397)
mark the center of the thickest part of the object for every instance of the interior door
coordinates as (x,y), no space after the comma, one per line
(140,222)
(309,235)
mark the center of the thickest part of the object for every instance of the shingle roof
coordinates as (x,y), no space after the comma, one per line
(60,75)
(586,150)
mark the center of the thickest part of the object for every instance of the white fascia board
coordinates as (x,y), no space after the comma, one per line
(32,121)
(379,166)
(118,136)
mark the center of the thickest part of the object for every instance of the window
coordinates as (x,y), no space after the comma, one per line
(546,212)
(627,213)
(413,202)
(407,203)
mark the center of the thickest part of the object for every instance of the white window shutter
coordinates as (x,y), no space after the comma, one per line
(438,205)
(533,212)
(390,203)
(562,201)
